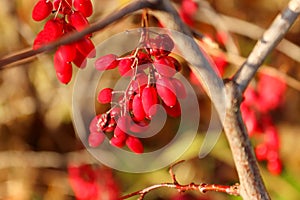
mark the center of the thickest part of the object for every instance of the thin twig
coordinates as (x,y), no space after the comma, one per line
(266,44)
(237,60)
(203,187)
(244,28)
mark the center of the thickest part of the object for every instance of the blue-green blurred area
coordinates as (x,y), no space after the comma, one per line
(38,141)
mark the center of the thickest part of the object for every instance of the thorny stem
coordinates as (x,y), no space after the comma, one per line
(203,187)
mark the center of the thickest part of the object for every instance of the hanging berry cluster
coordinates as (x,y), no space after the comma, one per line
(151,70)
(259,102)
(68,16)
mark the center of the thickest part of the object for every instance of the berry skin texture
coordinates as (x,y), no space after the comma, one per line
(42,10)
(106,62)
(137,108)
(77,20)
(66,76)
(86,47)
(68,52)
(166,91)
(105,95)
(134,144)
(149,99)
(96,139)
(84,6)
(125,66)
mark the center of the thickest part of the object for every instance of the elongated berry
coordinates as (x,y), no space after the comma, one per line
(166,91)
(106,62)
(117,142)
(84,6)
(96,138)
(41,10)
(77,20)
(149,99)
(68,52)
(134,144)
(119,138)
(53,29)
(124,123)
(125,66)
(179,88)
(105,95)
(93,125)
(80,60)
(59,62)
(164,66)
(137,108)
(86,47)
(65,77)
(119,133)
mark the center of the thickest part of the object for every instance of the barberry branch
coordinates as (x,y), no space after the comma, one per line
(266,44)
(203,187)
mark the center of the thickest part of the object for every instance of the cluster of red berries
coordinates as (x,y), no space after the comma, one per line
(151,70)
(256,109)
(187,11)
(69,16)
(91,182)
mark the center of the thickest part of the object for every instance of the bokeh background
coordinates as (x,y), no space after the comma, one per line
(37,139)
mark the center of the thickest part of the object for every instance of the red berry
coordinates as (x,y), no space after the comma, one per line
(149,99)
(179,88)
(41,10)
(166,91)
(53,29)
(137,108)
(86,47)
(93,125)
(77,20)
(124,67)
(80,60)
(174,111)
(68,52)
(65,77)
(261,151)
(275,167)
(84,6)
(96,138)
(117,142)
(134,144)
(124,123)
(164,66)
(105,95)
(119,133)
(63,68)
(106,62)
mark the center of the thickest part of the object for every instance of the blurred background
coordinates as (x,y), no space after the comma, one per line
(41,156)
